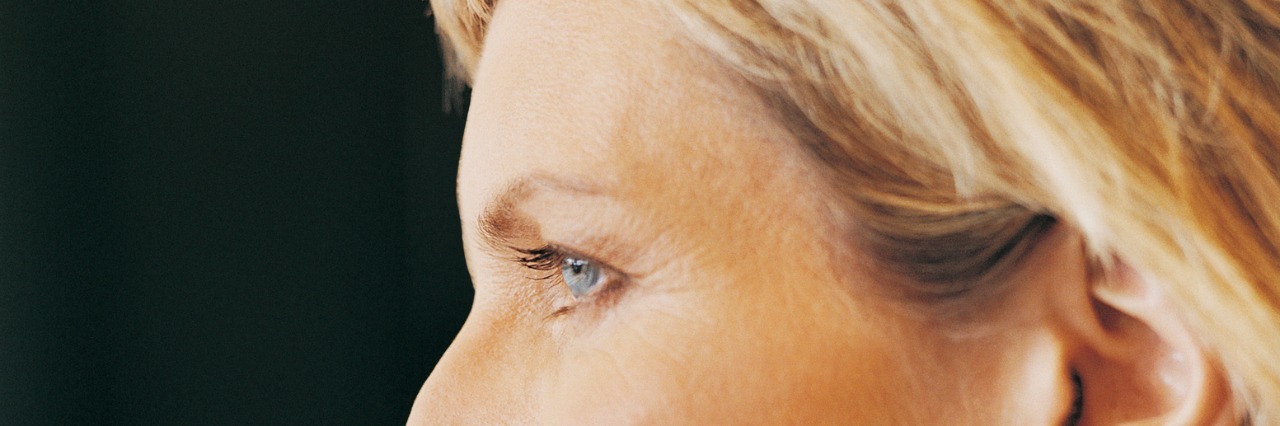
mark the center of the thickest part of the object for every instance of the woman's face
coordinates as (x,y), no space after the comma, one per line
(648,244)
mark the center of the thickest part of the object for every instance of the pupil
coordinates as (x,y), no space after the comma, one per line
(576,265)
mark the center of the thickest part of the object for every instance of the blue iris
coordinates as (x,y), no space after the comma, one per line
(581,275)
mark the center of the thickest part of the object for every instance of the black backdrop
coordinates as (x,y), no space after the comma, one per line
(223,212)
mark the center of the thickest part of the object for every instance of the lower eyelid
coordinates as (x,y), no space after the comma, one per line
(611,286)
(561,311)
(601,299)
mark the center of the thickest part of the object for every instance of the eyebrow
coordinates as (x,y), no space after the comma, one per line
(500,220)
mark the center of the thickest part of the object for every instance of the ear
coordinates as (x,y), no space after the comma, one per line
(1135,359)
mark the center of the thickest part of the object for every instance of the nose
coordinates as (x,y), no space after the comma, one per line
(483,378)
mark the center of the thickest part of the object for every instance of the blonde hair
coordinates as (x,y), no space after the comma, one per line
(959,130)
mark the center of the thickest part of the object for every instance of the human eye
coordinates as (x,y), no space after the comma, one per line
(584,277)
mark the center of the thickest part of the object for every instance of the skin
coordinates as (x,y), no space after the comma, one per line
(594,126)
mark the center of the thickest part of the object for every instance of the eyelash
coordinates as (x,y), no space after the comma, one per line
(549,258)
(545,259)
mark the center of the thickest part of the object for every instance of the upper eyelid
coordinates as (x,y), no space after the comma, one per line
(557,253)
(611,270)
(505,223)
(506,244)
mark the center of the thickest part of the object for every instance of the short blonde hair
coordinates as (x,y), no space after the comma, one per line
(958,131)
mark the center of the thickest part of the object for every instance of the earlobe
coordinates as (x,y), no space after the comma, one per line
(1136,359)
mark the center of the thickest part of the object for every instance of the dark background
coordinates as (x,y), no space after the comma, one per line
(232,212)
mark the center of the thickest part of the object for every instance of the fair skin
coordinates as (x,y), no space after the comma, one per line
(596,129)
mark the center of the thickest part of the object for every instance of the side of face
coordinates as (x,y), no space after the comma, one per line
(595,129)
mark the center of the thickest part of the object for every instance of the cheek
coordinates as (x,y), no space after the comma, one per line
(713,358)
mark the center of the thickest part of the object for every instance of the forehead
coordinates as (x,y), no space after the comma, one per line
(610,93)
